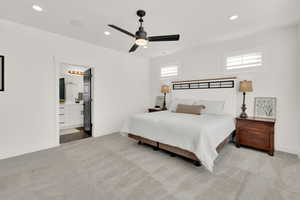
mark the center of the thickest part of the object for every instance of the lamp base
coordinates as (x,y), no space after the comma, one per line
(164,104)
(243,114)
(164,108)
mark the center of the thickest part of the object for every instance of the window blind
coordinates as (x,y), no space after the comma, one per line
(244,61)
(168,71)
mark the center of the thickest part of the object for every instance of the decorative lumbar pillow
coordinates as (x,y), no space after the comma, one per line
(176,101)
(190,109)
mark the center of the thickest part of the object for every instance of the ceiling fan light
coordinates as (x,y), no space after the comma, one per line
(141,42)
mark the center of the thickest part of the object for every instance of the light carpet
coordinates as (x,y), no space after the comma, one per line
(114,167)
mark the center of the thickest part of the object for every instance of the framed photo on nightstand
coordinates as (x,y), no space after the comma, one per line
(265,107)
(1,73)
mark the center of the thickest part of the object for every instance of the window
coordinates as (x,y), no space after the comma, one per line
(169,71)
(244,61)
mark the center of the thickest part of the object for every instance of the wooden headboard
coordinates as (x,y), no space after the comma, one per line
(216,89)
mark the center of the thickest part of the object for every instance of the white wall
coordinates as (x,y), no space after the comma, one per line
(28,105)
(277,78)
(299,75)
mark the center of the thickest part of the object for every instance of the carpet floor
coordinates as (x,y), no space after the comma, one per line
(114,167)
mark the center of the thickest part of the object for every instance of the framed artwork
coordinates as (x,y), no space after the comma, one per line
(1,73)
(265,107)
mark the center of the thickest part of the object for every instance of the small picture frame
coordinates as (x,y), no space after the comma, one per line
(1,73)
(265,107)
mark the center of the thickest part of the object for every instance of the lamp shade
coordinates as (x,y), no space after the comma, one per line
(246,86)
(164,89)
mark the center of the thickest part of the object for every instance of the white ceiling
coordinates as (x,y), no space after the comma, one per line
(198,21)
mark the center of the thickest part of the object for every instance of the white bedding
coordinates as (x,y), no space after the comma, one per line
(200,134)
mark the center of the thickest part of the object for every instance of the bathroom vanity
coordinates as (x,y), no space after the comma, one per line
(70,115)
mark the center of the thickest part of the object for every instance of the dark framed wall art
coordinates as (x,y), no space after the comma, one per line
(1,73)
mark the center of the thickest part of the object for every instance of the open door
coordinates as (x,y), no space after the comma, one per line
(87,101)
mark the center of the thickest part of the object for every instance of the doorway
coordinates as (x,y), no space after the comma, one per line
(75,102)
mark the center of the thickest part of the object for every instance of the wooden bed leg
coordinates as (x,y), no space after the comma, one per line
(197,163)
(139,142)
(155,148)
(173,155)
(271,153)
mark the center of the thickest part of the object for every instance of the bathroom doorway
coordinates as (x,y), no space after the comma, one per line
(75,102)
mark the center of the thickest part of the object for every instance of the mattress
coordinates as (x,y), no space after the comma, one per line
(200,134)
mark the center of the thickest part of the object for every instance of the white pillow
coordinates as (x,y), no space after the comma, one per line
(211,107)
(176,101)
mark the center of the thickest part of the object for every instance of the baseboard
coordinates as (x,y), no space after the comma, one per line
(289,150)
(103,134)
(27,152)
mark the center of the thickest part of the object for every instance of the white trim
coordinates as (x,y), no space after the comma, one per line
(288,150)
(28,152)
(57,75)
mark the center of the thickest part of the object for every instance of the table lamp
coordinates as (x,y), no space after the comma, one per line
(245,86)
(164,89)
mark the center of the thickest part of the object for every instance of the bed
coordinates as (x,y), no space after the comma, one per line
(197,137)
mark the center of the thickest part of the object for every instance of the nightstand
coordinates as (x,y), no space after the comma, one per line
(256,132)
(154,110)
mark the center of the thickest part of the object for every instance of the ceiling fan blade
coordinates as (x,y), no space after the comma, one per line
(163,38)
(122,30)
(133,48)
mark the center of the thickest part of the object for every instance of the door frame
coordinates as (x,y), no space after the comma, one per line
(57,64)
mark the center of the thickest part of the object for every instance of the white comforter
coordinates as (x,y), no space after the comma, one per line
(200,134)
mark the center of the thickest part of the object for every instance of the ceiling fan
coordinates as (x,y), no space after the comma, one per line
(140,36)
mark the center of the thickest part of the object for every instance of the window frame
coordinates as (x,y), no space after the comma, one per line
(241,53)
(166,66)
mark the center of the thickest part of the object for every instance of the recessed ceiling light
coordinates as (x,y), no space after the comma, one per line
(37,8)
(106,32)
(233,17)
(145,47)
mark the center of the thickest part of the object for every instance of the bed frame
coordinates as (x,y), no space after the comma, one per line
(222,89)
(176,150)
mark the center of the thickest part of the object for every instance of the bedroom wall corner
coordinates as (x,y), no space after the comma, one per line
(28,104)
(299,83)
(277,78)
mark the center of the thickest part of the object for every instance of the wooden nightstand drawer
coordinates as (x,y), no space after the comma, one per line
(253,126)
(263,132)
(253,139)
(255,132)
